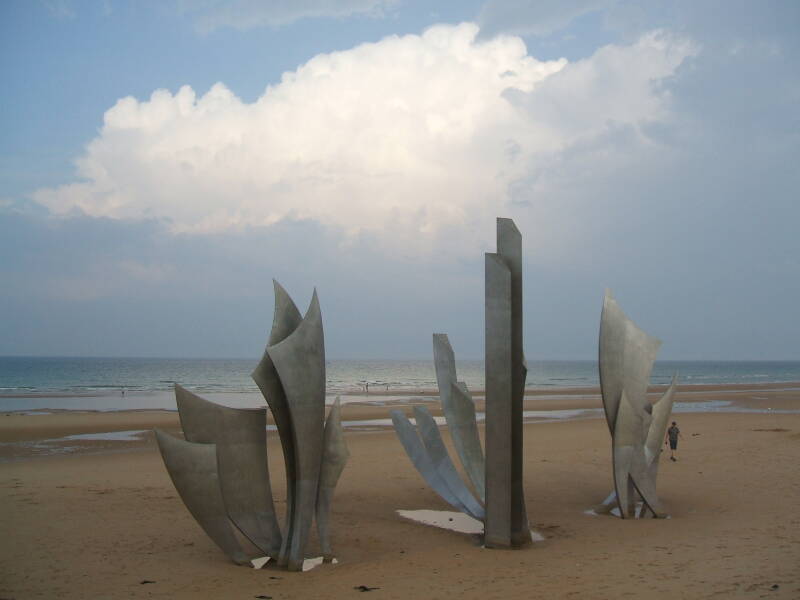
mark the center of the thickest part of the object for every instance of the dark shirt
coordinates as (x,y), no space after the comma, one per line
(673,432)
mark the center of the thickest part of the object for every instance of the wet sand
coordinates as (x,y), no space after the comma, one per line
(102,518)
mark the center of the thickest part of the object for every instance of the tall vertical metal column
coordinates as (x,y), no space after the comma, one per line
(506,517)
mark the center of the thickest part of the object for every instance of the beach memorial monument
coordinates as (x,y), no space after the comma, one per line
(497,497)
(626,357)
(220,469)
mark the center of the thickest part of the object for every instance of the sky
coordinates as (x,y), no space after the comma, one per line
(161,163)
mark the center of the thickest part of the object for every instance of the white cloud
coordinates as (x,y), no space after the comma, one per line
(404,137)
(248,14)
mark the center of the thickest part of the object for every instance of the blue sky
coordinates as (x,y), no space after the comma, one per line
(160,163)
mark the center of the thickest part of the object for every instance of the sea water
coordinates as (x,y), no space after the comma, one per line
(132,381)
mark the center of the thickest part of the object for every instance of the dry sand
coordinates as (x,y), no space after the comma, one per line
(100,521)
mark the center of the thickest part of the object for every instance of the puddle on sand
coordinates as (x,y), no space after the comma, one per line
(113,436)
(72,443)
(453,521)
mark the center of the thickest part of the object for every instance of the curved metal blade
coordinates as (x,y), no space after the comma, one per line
(432,438)
(286,319)
(241,445)
(459,412)
(626,356)
(418,454)
(193,470)
(300,362)
(334,459)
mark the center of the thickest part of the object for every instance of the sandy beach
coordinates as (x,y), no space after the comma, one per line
(99,518)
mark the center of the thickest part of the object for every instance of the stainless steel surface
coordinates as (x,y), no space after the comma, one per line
(300,362)
(285,320)
(459,412)
(626,356)
(498,402)
(509,247)
(432,440)
(334,459)
(407,434)
(240,439)
(193,470)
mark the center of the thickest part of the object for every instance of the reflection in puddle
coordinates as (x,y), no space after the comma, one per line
(453,521)
(68,444)
(563,414)
(725,406)
(131,435)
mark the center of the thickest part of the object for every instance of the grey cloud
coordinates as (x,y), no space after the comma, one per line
(209,15)
(690,218)
(534,17)
(214,294)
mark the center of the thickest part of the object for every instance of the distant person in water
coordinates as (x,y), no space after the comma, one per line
(673,433)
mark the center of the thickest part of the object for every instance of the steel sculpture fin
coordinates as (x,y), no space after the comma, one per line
(198,416)
(418,454)
(626,428)
(286,319)
(626,356)
(334,459)
(300,362)
(193,470)
(240,438)
(459,412)
(658,428)
(432,439)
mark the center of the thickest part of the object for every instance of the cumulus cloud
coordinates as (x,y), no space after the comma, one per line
(406,136)
(248,14)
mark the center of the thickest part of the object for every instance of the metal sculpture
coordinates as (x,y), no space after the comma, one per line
(334,458)
(626,357)
(498,498)
(459,412)
(193,470)
(506,369)
(221,471)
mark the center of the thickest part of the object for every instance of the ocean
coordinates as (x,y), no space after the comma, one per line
(116,383)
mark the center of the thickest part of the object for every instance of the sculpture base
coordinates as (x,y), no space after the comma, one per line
(308,563)
(459,523)
(609,507)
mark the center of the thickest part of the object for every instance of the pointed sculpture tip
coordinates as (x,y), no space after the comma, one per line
(278,288)
(314,301)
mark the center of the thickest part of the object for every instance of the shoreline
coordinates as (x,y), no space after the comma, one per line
(41,432)
(404,391)
(164,399)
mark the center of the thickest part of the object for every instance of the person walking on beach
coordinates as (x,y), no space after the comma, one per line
(673,433)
